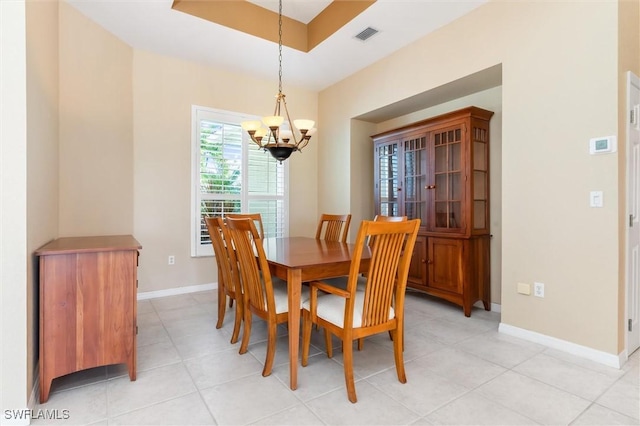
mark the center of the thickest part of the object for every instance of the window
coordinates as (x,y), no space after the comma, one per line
(230,174)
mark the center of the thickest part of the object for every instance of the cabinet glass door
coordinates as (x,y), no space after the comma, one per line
(448,189)
(415,177)
(387,184)
(480,141)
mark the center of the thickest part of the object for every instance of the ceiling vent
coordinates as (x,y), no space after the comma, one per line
(366,33)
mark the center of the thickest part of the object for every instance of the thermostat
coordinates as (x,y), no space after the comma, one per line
(602,145)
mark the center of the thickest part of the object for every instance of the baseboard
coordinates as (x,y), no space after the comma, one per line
(610,360)
(176,291)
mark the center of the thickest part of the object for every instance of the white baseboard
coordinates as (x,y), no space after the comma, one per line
(611,360)
(176,291)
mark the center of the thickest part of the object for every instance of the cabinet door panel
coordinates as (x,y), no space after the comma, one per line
(445,264)
(414,152)
(418,267)
(387,180)
(448,187)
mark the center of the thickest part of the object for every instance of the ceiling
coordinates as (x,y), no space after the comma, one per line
(153,25)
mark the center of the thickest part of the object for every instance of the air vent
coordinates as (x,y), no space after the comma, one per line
(366,33)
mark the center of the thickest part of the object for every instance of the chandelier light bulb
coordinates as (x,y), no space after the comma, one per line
(286,135)
(273,121)
(303,124)
(251,126)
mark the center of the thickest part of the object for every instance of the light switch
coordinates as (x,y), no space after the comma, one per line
(596,199)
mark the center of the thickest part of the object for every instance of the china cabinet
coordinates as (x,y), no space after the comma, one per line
(437,170)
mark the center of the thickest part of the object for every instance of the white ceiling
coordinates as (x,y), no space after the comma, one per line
(152,25)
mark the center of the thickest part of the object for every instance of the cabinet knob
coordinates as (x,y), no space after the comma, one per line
(429,262)
(430,187)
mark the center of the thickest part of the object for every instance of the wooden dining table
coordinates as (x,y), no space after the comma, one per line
(302,259)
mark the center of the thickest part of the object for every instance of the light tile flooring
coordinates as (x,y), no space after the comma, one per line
(459,371)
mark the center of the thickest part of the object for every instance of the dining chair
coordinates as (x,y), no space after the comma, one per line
(333,227)
(256,217)
(228,280)
(350,314)
(262,296)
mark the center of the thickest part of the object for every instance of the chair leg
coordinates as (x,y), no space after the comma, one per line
(328,343)
(247,332)
(237,323)
(398,348)
(347,354)
(222,301)
(271,349)
(306,336)
(360,343)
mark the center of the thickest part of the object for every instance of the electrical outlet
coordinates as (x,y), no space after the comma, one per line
(172,260)
(538,289)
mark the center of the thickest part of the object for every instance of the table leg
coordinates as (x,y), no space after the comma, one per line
(294,287)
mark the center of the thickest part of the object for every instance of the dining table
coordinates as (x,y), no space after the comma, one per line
(301,259)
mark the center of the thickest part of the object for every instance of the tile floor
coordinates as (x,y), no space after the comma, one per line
(459,371)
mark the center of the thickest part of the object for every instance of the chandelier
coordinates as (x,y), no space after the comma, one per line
(280,137)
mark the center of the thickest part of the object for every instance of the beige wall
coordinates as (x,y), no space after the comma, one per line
(42,153)
(96,129)
(13,200)
(550,79)
(164,91)
(132,118)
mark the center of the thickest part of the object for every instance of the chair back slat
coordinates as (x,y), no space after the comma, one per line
(333,227)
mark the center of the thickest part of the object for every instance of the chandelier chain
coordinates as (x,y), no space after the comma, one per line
(280,47)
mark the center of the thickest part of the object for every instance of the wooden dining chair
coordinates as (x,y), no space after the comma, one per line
(262,296)
(256,217)
(350,314)
(228,279)
(333,227)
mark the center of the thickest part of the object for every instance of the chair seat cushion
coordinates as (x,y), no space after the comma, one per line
(331,308)
(281,296)
(341,282)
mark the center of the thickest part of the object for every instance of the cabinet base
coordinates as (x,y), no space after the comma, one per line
(457,299)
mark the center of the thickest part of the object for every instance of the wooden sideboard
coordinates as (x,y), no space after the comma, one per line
(88,304)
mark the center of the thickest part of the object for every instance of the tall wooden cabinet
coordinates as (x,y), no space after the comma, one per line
(88,302)
(437,170)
